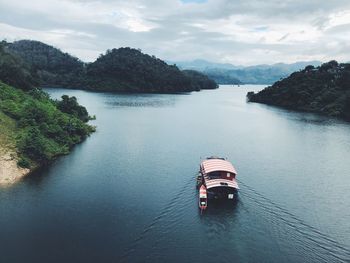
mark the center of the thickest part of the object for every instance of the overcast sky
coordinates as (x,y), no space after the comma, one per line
(239,32)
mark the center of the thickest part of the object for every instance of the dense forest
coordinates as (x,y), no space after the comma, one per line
(127,69)
(121,70)
(324,89)
(51,66)
(14,71)
(43,128)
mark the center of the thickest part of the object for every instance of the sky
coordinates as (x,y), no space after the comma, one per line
(245,32)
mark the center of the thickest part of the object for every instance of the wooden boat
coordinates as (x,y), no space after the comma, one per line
(219,178)
(203,202)
(199,181)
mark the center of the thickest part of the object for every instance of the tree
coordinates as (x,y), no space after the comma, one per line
(70,105)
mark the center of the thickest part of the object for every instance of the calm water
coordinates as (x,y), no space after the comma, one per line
(127,194)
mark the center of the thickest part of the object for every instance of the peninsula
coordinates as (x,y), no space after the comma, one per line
(34,129)
(324,90)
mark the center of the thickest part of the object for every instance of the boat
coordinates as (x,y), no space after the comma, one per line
(218,176)
(203,197)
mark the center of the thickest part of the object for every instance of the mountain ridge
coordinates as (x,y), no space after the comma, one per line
(226,73)
(118,69)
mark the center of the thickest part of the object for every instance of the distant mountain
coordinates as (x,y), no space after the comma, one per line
(223,76)
(123,69)
(324,89)
(202,65)
(259,74)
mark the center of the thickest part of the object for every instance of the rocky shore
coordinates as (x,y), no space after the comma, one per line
(9,170)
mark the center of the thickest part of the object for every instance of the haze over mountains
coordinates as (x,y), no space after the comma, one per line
(225,73)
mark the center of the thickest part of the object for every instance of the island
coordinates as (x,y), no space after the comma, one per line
(324,90)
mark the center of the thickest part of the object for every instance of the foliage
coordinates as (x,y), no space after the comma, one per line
(71,106)
(43,130)
(7,126)
(200,81)
(52,66)
(14,71)
(123,69)
(127,69)
(325,90)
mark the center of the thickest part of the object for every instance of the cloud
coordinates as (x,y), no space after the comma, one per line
(238,32)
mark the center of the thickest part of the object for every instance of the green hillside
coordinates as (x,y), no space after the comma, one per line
(38,128)
(324,89)
(120,70)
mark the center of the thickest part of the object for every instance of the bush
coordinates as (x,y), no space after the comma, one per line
(24,162)
(70,105)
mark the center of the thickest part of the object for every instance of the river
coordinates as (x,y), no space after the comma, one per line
(127,193)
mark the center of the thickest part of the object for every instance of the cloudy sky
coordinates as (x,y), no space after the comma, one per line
(242,32)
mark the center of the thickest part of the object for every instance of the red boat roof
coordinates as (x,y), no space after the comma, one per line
(212,165)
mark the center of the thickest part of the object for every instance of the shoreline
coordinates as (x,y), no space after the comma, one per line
(10,173)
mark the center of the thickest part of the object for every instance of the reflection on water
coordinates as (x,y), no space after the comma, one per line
(123,99)
(143,100)
(127,194)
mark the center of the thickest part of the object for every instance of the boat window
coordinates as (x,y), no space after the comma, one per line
(214,174)
(228,174)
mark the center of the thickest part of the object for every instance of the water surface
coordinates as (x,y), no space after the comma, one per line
(127,194)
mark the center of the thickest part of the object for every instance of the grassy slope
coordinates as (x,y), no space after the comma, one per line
(35,128)
(7,133)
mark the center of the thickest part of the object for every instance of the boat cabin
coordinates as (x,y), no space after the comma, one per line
(219,177)
(222,175)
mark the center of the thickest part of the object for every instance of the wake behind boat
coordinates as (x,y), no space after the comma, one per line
(218,176)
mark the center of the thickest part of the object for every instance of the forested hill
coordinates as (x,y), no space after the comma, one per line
(51,65)
(34,128)
(127,69)
(324,89)
(14,71)
(123,69)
